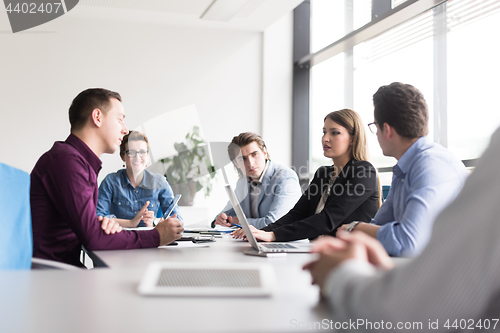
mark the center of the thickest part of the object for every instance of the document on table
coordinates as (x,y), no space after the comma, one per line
(139,228)
(184,244)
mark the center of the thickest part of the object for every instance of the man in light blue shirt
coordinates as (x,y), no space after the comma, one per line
(425,180)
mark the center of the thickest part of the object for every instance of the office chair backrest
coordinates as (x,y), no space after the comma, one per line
(385,191)
(16,239)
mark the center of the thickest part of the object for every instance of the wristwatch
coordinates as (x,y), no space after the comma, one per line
(351,226)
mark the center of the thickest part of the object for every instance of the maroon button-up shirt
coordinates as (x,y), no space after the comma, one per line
(63,206)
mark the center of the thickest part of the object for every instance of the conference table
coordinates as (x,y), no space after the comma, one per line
(107,300)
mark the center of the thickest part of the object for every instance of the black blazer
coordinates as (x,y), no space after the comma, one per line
(353,197)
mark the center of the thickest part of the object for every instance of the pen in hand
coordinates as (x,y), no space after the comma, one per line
(231,222)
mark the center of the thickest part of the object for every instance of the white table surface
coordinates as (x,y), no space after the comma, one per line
(106,299)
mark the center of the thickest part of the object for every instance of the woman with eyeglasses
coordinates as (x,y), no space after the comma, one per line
(339,194)
(133,195)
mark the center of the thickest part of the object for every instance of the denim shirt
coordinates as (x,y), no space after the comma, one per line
(425,180)
(119,199)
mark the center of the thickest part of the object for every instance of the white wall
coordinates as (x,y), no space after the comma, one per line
(156,68)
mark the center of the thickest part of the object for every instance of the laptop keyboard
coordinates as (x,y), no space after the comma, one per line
(278,246)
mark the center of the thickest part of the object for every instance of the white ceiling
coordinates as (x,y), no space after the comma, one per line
(253,15)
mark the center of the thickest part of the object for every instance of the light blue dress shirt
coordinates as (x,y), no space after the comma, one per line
(279,192)
(118,198)
(425,180)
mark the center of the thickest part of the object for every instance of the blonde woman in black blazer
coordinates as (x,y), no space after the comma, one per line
(339,194)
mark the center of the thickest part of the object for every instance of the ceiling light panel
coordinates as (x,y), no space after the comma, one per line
(183,7)
(223,10)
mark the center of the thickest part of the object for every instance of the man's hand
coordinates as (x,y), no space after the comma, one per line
(224,220)
(110,226)
(233,220)
(334,251)
(170,230)
(266,236)
(343,227)
(367,228)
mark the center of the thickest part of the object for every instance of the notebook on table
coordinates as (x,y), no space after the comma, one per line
(207,279)
(263,249)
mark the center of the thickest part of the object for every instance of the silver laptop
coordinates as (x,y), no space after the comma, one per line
(207,279)
(263,249)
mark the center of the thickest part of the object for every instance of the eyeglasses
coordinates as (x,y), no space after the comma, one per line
(133,153)
(373,127)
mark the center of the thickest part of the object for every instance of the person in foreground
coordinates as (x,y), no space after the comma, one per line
(268,189)
(64,187)
(426,178)
(452,285)
(133,195)
(338,194)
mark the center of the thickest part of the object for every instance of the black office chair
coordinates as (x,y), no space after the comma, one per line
(97,262)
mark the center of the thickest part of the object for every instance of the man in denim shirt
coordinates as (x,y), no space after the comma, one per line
(425,180)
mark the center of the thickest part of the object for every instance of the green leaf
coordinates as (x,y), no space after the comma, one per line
(198,186)
(191,162)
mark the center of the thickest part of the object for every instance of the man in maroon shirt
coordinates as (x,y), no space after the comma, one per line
(64,187)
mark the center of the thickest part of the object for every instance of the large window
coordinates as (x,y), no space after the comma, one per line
(327,94)
(473,74)
(403,54)
(449,52)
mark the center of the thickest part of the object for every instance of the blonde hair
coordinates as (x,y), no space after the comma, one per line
(351,121)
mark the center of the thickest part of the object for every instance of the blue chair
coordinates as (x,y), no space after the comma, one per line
(385,191)
(16,239)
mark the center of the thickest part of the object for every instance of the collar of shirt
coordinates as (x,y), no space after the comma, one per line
(259,182)
(405,162)
(94,161)
(148,181)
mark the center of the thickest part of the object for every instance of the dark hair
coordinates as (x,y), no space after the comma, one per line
(88,100)
(132,136)
(351,121)
(403,107)
(242,140)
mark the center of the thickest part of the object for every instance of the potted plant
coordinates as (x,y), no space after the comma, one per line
(186,170)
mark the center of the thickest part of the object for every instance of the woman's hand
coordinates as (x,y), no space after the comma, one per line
(265,236)
(223,220)
(148,218)
(142,214)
